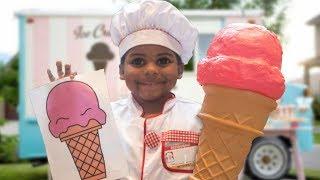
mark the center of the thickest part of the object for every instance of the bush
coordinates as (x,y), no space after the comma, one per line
(2,109)
(316,107)
(8,149)
(23,171)
(2,121)
(9,81)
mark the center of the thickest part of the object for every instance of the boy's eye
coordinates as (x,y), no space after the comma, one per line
(164,61)
(137,62)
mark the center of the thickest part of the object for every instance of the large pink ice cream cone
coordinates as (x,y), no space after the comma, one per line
(242,80)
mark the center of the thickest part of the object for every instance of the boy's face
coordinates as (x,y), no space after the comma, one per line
(150,71)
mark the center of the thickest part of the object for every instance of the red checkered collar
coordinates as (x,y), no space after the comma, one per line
(137,110)
(152,139)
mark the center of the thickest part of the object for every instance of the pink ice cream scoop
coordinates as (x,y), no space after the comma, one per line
(72,103)
(244,56)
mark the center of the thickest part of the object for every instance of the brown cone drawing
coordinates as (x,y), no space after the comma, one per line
(84,146)
(100,54)
(231,118)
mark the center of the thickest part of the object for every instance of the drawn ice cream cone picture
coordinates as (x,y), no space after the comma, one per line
(75,118)
(100,54)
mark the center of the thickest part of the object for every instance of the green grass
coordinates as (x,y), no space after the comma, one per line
(317,123)
(2,121)
(317,138)
(317,135)
(23,171)
(309,173)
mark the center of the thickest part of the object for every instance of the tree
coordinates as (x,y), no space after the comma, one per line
(273,18)
(204,4)
(273,10)
(274,13)
(9,81)
(316,107)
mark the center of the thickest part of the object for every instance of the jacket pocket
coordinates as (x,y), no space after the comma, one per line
(179,150)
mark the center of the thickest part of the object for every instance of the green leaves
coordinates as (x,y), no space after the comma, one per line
(8,149)
(274,13)
(316,107)
(273,10)
(9,81)
(204,4)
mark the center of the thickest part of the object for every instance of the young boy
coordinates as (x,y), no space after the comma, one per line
(155,41)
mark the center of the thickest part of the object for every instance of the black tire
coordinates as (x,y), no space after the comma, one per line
(268,159)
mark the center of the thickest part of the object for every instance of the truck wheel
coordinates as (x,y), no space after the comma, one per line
(268,159)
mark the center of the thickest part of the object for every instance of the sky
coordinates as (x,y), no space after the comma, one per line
(9,23)
(299,36)
(299,42)
(4,57)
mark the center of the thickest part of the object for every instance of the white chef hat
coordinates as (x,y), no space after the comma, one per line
(153,22)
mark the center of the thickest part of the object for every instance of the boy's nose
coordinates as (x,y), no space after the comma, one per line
(151,70)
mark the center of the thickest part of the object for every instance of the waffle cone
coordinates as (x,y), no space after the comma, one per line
(222,148)
(239,106)
(84,146)
(232,119)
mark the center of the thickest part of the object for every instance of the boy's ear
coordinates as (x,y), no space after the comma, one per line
(121,71)
(180,71)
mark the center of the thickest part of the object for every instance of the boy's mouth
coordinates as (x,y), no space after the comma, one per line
(151,81)
(152,84)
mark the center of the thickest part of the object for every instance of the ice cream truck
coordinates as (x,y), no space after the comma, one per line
(82,39)
(289,131)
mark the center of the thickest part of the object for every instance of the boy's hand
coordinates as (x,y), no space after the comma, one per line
(67,72)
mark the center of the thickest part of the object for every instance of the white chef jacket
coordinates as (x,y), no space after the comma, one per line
(144,162)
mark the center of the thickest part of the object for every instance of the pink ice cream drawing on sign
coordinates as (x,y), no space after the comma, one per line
(72,103)
(75,117)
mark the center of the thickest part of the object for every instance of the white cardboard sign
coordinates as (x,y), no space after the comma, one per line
(78,128)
